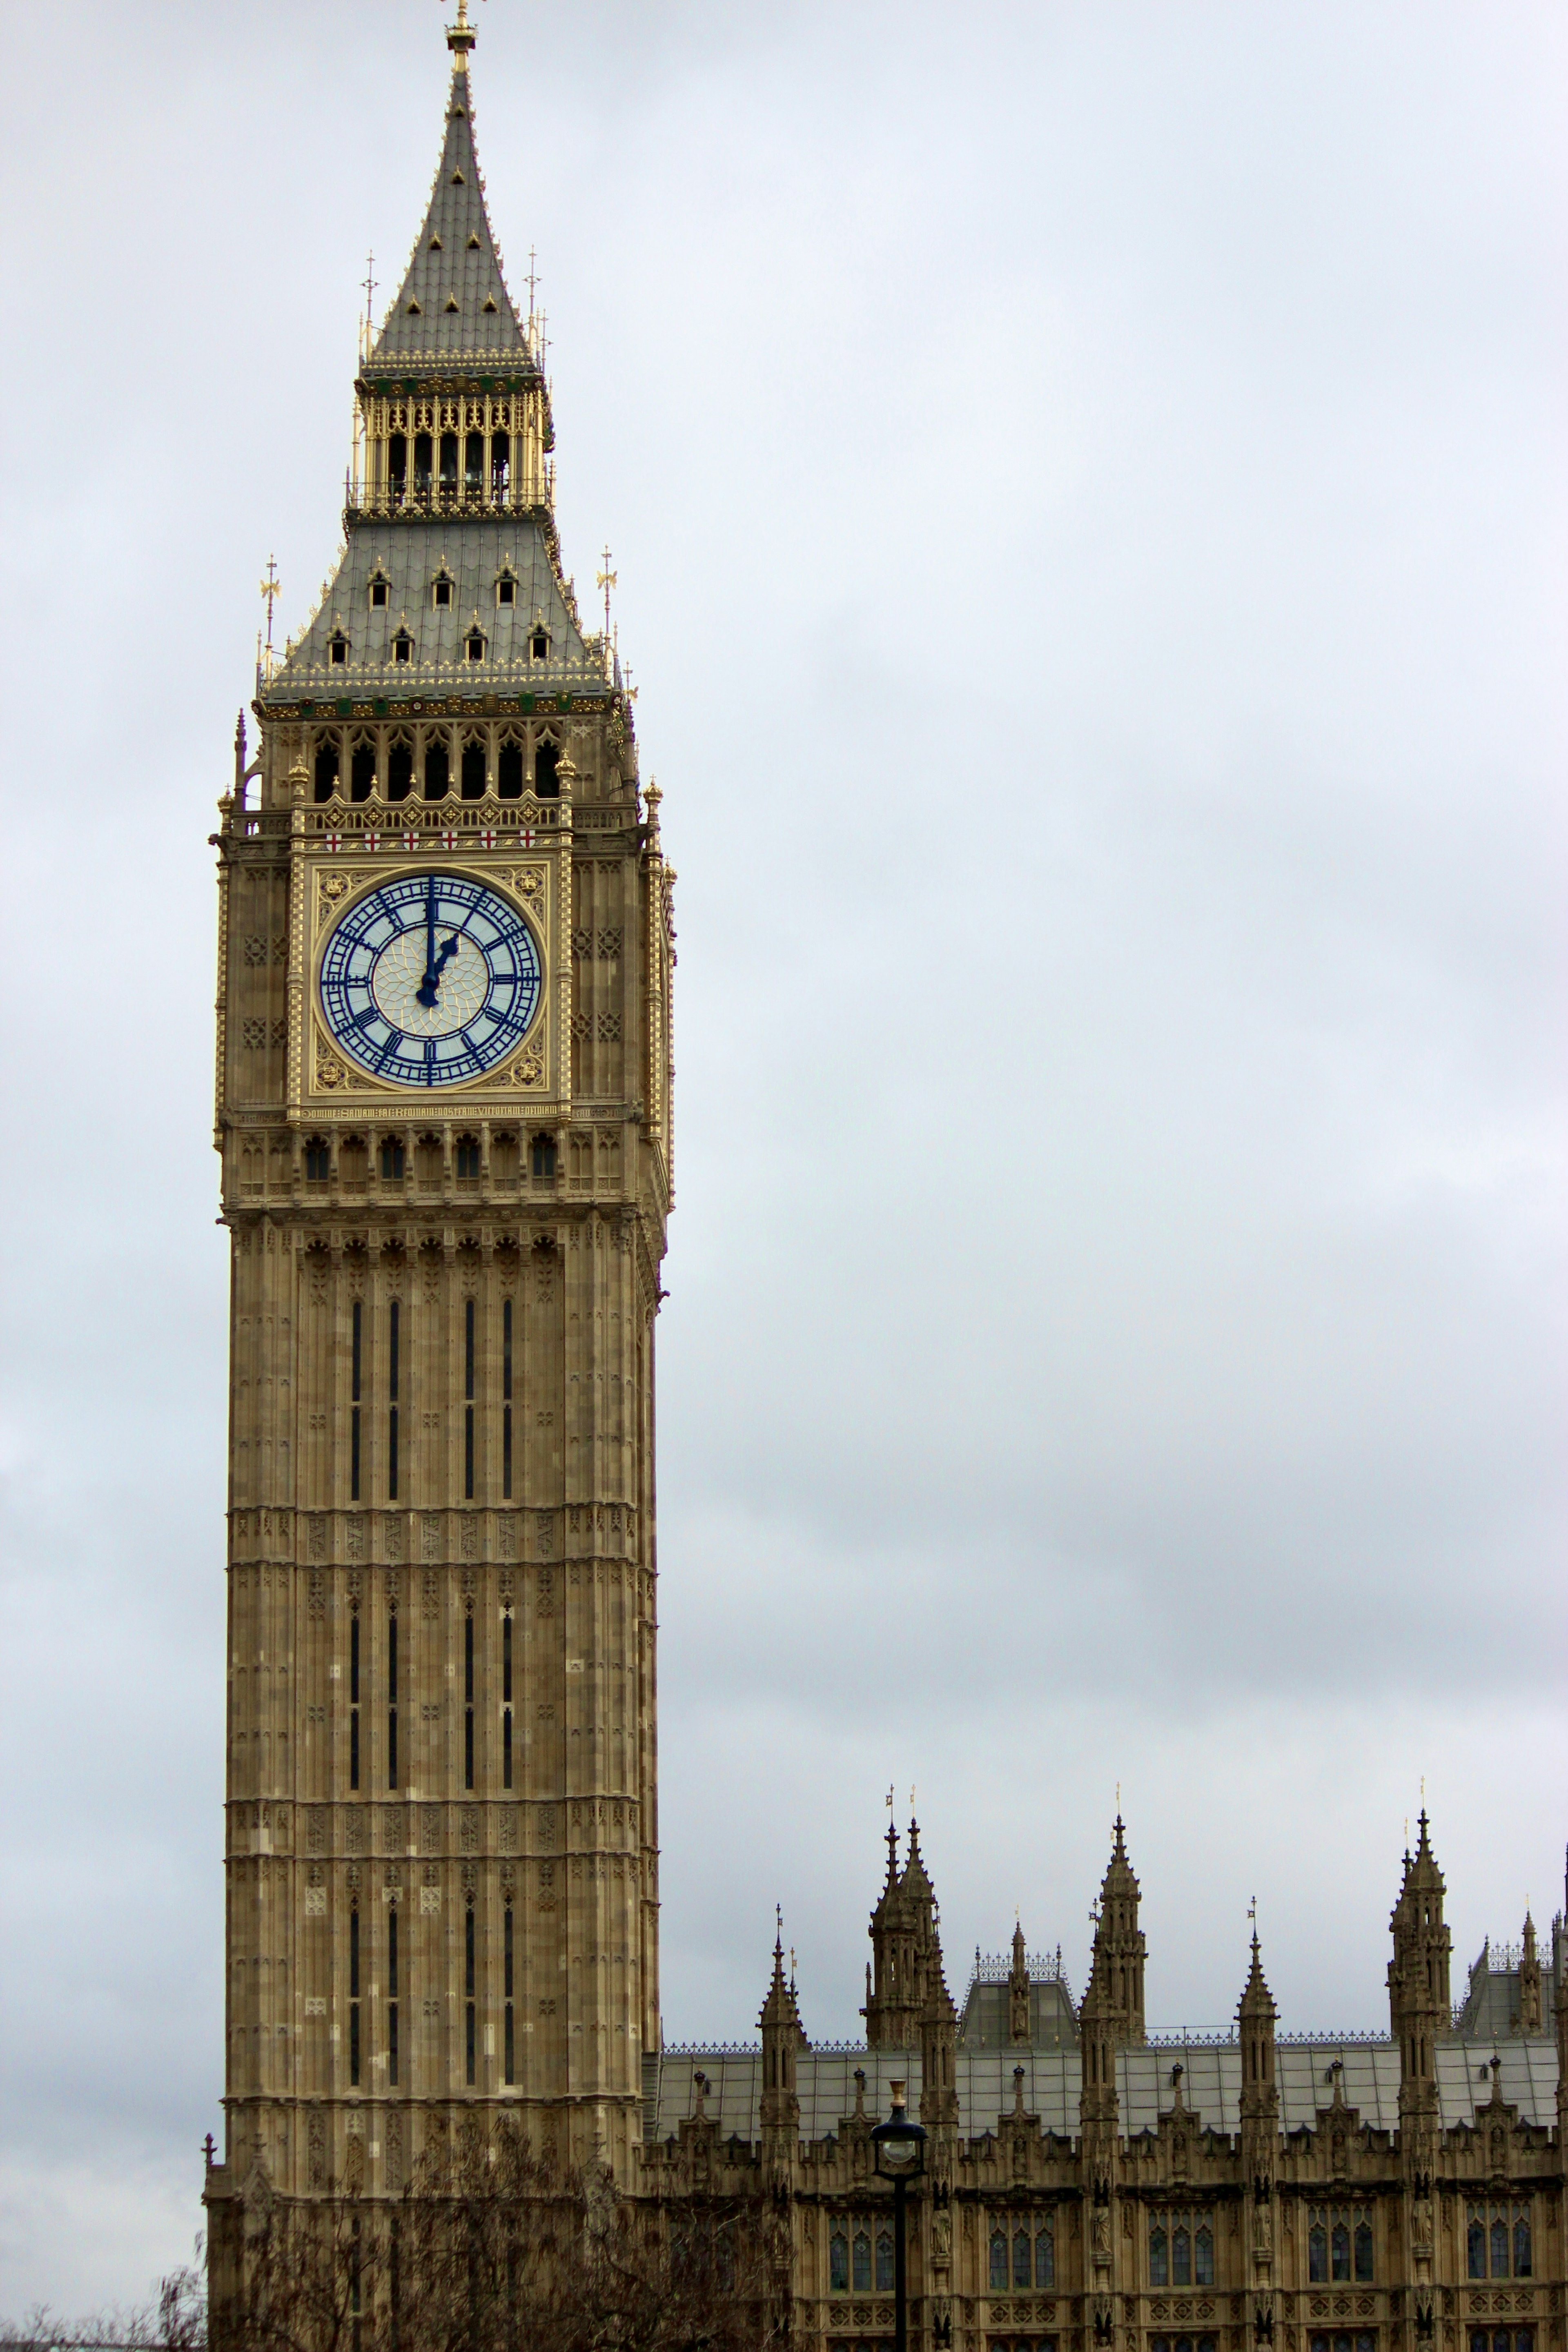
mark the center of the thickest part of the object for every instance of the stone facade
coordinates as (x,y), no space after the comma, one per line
(1088,2185)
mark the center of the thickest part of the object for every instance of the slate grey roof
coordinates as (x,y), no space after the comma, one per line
(1211,2084)
(408,556)
(441,313)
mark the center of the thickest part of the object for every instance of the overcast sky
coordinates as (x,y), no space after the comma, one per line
(1088,488)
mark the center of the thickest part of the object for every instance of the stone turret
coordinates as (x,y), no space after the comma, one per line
(1528,1981)
(1018,2027)
(783,2038)
(1255,2015)
(939,2049)
(1419,2014)
(904,1937)
(1119,1947)
(1254,2020)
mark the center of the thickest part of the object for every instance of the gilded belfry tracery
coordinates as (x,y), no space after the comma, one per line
(444,1122)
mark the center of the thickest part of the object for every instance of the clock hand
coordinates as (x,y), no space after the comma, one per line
(429,980)
(425,993)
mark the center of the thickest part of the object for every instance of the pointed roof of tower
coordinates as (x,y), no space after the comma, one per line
(780,2009)
(915,1881)
(1256,2001)
(453,303)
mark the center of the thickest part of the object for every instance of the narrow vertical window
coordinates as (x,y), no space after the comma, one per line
(471,2003)
(392,1996)
(468,1395)
(510,2051)
(353,1996)
(505,1702)
(506,1401)
(468,1702)
(393,1335)
(392,1701)
(354,1702)
(354,1416)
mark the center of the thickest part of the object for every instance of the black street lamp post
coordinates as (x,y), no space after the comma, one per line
(898,2151)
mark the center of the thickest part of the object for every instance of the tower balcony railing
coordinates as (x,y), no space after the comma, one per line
(393,502)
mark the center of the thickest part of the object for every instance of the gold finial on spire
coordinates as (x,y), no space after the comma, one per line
(461,36)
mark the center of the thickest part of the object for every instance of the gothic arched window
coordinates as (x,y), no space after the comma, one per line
(838,2262)
(508,768)
(999,2262)
(1363,2252)
(543,1153)
(1521,2263)
(1159,2259)
(362,768)
(1317,2253)
(318,1160)
(1477,2247)
(546,760)
(327,758)
(1203,2268)
(862,2263)
(1023,2258)
(1340,2249)
(884,2262)
(1500,2249)
(400,756)
(473,769)
(1181,2258)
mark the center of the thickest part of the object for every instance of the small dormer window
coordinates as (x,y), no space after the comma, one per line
(506,588)
(402,646)
(490,303)
(474,245)
(538,644)
(415,309)
(475,645)
(338,650)
(457,179)
(436,246)
(451,302)
(441,590)
(378,594)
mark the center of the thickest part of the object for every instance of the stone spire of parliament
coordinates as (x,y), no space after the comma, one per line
(443,1125)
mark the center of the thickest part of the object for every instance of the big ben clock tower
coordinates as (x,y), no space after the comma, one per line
(443,1112)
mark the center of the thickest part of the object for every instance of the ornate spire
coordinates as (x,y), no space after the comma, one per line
(1255,2015)
(783,2039)
(1019,2024)
(453,303)
(1419,2014)
(1119,1947)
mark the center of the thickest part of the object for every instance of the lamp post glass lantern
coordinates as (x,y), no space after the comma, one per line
(898,2153)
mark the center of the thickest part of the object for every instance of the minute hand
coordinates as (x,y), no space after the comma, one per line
(426,992)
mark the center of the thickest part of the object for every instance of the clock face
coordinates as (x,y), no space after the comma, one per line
(430,979)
